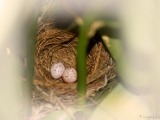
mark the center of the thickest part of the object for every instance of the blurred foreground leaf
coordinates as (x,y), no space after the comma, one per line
(78,114)
(121,105)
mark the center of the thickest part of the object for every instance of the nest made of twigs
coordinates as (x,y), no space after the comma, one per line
(55,44)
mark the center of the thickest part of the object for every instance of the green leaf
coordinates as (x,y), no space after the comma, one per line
(114,46)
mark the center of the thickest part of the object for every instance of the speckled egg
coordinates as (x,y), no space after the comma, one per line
(57,70)
(69,75)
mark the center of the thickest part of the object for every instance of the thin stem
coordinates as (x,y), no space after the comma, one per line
(81,59)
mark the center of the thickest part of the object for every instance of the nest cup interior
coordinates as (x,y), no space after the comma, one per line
(57,44)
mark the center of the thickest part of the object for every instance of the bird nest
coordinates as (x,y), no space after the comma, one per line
(55,44)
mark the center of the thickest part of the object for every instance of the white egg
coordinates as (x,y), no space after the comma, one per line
(57,70)
(69,75)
